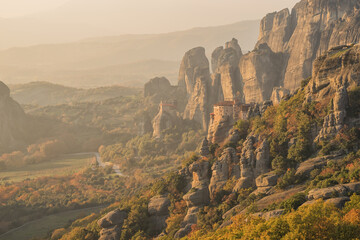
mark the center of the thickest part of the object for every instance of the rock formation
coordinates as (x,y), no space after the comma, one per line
(225,65)
(111,225)
(253,162)
(197,197)
(158,209)
(278,94)
(204,148)
(194,80)
(13,121)
(261,71)
(226,168)
(194,65)
(334,122)
(157,86)
(312,28)
(338,67)
(165,119)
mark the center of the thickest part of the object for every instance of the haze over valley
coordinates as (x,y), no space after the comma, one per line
(136,120)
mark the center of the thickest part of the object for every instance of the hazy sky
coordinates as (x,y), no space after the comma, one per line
(229,10)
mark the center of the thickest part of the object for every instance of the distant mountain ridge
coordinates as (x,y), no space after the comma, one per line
(73,62)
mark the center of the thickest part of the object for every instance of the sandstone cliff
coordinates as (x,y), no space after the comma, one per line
(261,71)
(311,29)
(194,80)
(226,77)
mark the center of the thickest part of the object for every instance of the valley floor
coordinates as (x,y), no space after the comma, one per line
(41,227)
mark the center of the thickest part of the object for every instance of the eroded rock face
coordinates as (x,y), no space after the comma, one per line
(204,148)
(219,129)
(226,168)
(275,30)
(278,94)
(197,197)
(253,162)
(342,190)
(340,67)
(111,225)
(334,122)
(194,79)
(225,66)
(261,71)
(197,107)
(311,29)
(194,65)
(14,124)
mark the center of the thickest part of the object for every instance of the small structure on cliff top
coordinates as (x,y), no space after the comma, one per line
(232,109)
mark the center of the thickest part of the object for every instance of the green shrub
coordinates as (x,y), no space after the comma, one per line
(294,202)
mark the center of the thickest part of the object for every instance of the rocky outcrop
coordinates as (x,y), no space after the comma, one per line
(334,122)
(14,124)
(275,30)
(197,107)
(234,44)
(167,118)
(215,58)
(197,197)
(261,71)
(267,180)
(157,86)
(194,80)
(339,67)
(158,209)
(219,128)
(225,65)
(111,225)
(253,162)
(342,190)
(312,28)
(204,148)
(226,168)
(194,65)
(304,169)
(278,94)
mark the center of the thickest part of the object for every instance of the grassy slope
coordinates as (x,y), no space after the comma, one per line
(62,166)
(41,227)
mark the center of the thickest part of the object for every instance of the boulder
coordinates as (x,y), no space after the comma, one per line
(353,187)
(112,233)
(183,231)
(326,193)
(267,180)
(338,202)
(159,205)
(197,196)
(113,218)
